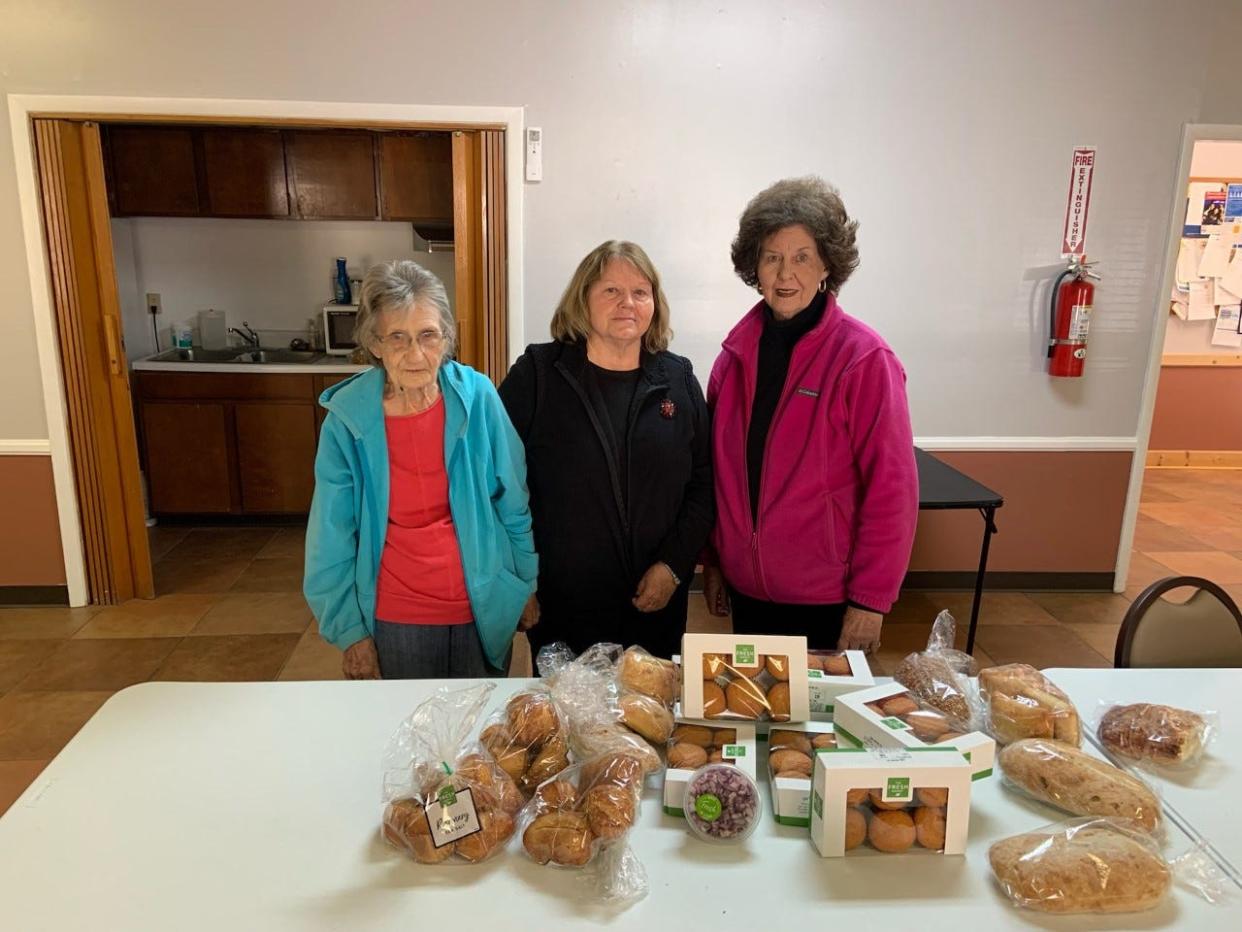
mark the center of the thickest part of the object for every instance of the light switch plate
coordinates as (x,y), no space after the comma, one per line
(534,153)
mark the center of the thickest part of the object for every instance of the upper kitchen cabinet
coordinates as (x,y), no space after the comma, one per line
(332,175)
(243,173)
(152,171)
(416,177)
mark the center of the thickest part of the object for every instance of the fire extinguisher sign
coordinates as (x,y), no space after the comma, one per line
(1074,240)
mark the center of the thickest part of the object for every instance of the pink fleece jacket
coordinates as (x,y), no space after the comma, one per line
(838,495)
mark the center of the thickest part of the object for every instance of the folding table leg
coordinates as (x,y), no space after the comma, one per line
(989,528)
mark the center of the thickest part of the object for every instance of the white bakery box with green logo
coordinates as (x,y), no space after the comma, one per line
(825,683)
(742,752)
(744,671)
(855,716)
(905,800)
(791,795)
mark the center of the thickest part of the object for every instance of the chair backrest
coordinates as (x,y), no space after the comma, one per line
(1203,631)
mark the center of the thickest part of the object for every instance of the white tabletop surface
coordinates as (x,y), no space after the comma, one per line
(1204,797)
(255,806)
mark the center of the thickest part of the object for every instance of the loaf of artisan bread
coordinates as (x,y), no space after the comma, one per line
(1023,703)
(1160,734)
(1091,868)
(932,679)
(1069,779)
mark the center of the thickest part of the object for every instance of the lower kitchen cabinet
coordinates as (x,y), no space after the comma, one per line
(187,457)
(275,456)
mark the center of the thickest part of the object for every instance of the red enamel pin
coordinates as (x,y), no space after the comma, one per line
(667,408)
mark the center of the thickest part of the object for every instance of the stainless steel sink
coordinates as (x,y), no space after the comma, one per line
(233,355)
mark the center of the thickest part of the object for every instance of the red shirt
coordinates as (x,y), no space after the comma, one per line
(420,579)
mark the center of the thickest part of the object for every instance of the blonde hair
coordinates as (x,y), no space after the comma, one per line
(572,320)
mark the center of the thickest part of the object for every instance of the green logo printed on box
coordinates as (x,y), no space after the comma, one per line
(819,805)
(733,751)
(744,655)
(895,723)
(447,797)
(898,788)
(708,807)
(815,674)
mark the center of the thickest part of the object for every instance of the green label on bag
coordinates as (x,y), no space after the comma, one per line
(897,788)
(744,655)
(707,807)
(447,797)
(819,805)
(815,674)
(733,751)
(895,723)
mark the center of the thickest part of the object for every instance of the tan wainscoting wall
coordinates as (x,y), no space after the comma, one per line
(1198,411)
(1062,513)
(30,550)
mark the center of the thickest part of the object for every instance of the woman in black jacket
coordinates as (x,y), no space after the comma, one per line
(618,460)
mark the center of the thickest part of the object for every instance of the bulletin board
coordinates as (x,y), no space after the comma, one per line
(1208,286)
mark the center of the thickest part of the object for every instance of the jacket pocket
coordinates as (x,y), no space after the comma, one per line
(841,524)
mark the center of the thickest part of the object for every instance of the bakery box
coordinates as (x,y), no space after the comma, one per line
(694,744)
(888,716)
(890,801)
(744,678)
(794,749)
(834,673)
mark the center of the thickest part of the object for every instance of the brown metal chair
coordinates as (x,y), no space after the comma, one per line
(1203,631)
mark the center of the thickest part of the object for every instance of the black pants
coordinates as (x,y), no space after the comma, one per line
(821,624)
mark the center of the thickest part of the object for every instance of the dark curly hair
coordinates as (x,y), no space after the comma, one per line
(810,202)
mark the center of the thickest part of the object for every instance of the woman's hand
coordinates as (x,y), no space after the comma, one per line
(715,594)
(530,614)
(860,630)
(361,662)
(655,588)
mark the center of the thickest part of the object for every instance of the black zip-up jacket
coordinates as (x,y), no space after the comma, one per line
(594,542)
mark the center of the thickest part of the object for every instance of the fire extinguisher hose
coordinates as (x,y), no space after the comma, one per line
(1052,309)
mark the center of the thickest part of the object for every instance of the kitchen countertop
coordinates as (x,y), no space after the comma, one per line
(321,363)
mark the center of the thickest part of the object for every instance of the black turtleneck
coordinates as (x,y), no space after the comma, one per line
(776,347)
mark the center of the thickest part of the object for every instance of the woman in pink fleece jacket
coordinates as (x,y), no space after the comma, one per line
(816,484)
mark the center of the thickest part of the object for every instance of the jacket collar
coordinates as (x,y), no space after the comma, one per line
(743,339)
(572,359)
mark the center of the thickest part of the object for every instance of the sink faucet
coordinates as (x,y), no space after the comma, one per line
(247,334)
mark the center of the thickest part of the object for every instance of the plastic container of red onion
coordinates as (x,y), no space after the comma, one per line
(722,804)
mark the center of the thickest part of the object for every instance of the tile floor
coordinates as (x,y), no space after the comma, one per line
(230,608)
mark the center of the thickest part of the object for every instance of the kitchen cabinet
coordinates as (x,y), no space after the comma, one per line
(332,175)
(187,457)
(243,173)
(152,172)
(229,443)
(416,177)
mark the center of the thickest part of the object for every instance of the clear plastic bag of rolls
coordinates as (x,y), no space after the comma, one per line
(1097,865)
(1157,737)
(529,738)
(1020,702)
(582,819)
(938,676)
(1078,783)
(445,799)
(647,687)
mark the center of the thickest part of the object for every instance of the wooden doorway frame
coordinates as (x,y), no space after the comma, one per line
(24,108)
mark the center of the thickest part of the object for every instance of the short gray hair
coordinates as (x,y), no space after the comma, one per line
(395,286)
(810,202)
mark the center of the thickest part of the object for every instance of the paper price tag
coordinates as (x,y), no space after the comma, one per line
(451,816)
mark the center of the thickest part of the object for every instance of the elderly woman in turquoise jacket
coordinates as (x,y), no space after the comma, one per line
(420,560)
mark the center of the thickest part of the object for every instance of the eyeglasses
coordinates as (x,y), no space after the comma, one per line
(399,341)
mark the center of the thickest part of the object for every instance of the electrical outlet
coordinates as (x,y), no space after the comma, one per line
(153,303)
(534,153)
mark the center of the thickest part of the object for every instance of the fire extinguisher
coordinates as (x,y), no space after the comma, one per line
(1069,318)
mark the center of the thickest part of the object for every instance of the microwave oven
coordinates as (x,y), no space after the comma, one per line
(339,321)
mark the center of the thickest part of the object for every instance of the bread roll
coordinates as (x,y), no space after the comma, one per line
(932,796)
(547,762)
(640,672)
(900,704)
(532,718)
(855,828)
(927,724)
(781,739)
(609,810)
(1023,703)
(825,740)
(749,669)
(559,794)
(713,700)
(646,716)
(686,756)
(723,736)
(836,665)
(790,760)
(693,734)
(778,702)
(714,665)
(891,831)
(495,827)
(878,801)
(597,739)
(1088,869)
(744,698)
(929,827)
(1157,733)
(934,682)
(1069,779)
(778,667)
(562,837)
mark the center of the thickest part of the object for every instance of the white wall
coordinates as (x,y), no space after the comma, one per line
(272,273)
(948,125)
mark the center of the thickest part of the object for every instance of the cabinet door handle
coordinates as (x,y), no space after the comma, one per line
(112,337)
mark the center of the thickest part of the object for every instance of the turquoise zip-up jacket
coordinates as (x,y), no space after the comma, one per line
(486,466)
